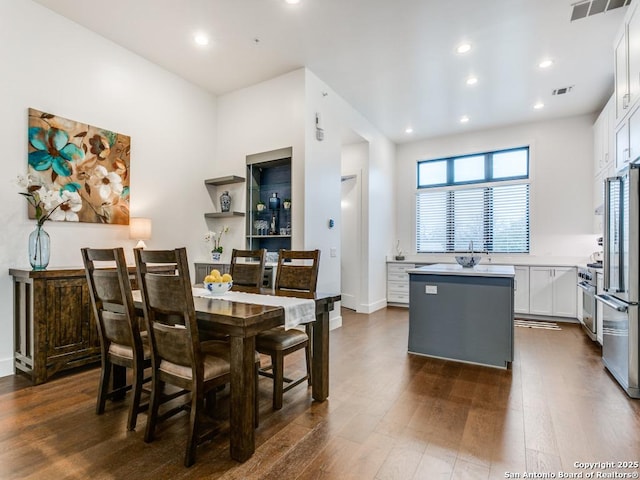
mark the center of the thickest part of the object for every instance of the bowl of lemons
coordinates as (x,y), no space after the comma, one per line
(217,284)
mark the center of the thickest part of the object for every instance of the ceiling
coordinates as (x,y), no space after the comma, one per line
(393,60)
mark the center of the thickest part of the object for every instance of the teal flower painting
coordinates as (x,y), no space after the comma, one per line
(87,165)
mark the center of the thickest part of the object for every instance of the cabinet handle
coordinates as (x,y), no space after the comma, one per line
(625,101)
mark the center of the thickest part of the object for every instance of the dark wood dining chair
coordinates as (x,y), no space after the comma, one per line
(247,267)
(297,272)
(121,342)
(177,357)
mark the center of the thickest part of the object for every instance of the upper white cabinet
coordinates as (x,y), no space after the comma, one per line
(622,75)
(552,291)
(633,53)
(627,90)
(627,63)
(602,138)
(627,138)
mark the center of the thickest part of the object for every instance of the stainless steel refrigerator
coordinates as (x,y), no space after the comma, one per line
(620,340)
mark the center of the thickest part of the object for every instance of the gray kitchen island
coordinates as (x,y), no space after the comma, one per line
(463,314)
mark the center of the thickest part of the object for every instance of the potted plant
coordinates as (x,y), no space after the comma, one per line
(286,203)
(260,206)
(215,239)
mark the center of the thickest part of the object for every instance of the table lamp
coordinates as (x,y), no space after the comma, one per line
(140,229)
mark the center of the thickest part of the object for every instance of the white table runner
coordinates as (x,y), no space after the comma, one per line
(296,310)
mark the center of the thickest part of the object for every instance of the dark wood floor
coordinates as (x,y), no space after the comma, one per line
(390,415)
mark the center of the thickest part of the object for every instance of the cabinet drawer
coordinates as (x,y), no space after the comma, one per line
(399,267)
(396,297)
(397,276)
(400,287)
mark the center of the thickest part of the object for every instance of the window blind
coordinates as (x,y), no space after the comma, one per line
(495,218)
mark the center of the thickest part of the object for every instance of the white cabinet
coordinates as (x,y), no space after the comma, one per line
(598,202)
(398,282)
(627,64)
(621,75)
(552,291)
(602,138)
(627,139)
(633,53)
(521,290)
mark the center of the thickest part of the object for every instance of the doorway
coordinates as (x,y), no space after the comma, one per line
(350,241)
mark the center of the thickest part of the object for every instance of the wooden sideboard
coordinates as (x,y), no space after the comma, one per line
(54,328)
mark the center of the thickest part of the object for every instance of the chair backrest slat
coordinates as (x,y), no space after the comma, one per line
(168,300)
(247,267)
(297,270)
(111,298)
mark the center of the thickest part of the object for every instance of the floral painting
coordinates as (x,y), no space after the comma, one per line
(86,163)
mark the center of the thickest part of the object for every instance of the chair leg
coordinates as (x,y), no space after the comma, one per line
(157,389)
(197,402)
(256,406)
(138,380)
(307,351)
(277,360)
(103,388)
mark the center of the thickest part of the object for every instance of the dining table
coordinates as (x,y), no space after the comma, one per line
(242,322)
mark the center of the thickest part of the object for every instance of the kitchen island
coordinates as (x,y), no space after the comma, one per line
(463,314)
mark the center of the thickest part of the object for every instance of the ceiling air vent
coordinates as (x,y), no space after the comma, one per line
(562,91)
(591,7)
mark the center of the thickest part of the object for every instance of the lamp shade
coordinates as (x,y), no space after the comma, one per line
(140,229)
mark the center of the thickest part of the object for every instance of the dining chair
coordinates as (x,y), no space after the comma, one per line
(297,272)
(121,342)
(177,357)
(247,267)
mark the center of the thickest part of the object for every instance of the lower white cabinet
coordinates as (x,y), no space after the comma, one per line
(398,282)
(552,291)
(521,290)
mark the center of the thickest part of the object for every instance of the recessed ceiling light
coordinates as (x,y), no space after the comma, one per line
(292,2)
(472,80)
(408,130)
(545,63)
(463,48)
(538,105)
(201,39)
(464,119)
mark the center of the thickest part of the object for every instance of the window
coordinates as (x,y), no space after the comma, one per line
(452,209)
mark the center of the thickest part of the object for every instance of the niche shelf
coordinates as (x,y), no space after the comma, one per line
(220,182)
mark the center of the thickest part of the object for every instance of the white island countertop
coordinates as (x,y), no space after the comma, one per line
(455,269)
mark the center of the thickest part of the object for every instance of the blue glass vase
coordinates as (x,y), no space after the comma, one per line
(39,249)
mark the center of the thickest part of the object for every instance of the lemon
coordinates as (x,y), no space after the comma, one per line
(214,273)
(226,278)
(209,279)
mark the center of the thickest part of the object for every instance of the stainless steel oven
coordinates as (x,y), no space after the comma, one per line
(587,284)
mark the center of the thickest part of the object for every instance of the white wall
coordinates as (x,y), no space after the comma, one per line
(561,183)
(52,64)
(264,117)
(281,113)
(323,180)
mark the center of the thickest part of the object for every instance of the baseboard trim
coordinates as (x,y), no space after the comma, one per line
(372,307)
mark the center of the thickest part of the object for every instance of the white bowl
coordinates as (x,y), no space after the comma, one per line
(468,261)
(218,288)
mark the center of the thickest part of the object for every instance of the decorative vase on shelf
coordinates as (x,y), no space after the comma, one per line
(225,201)
(274,201)
(215,256)
(39,248)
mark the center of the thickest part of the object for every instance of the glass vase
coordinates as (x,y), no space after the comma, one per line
(39,248)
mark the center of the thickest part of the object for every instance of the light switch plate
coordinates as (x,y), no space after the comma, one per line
(431,289)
